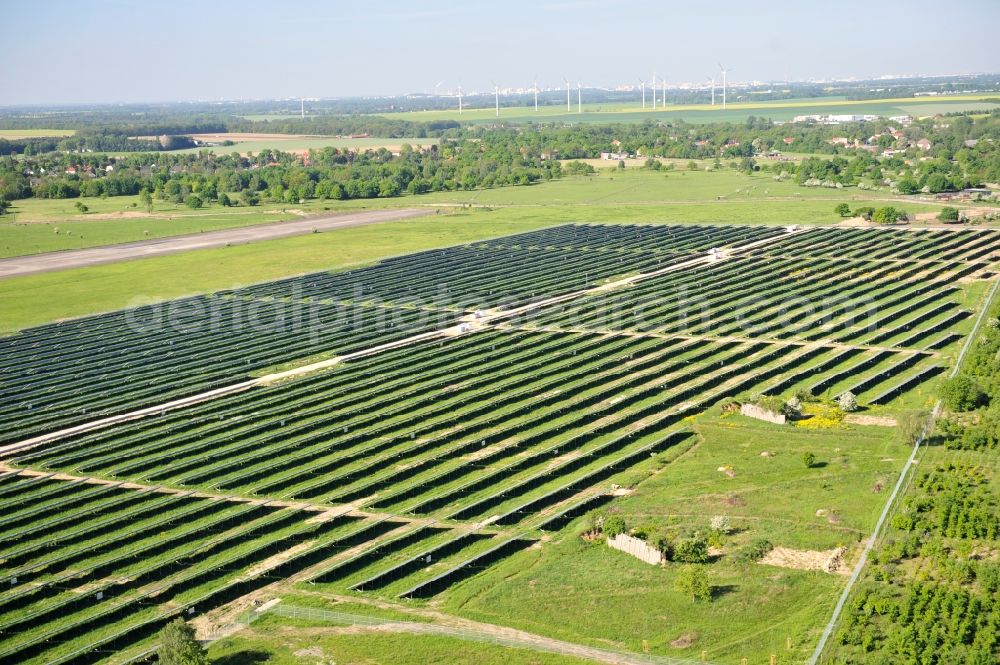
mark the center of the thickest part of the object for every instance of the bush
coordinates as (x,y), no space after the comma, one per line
(848,402)
(577,167)
(612,525)
(843,210)
(808,459)
(864,212)
(81,207)
(962,393)
(653,164)
(721,524)
(691,550)
(948,214)
(755,551)
(194,201)
(888,215)
(693,581)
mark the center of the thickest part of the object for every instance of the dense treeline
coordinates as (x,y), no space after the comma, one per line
(963,152)
(275,176)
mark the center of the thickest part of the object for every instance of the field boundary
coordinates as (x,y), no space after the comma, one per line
(904,477)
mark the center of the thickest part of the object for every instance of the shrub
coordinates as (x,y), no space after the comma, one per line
(843,210)
(693,581)
(865,212)
(808,459)
(194,201)
(848,402)
(755,551)
(691,550)
(948,214)
(888,215)
(962,393)
(721,524)
(612,525)
(653,164)
(729,405)
(81,207)
(577,167)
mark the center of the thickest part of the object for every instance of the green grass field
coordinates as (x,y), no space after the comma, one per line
(632,196)
(284,642)
(783,110)
(586,592)
(34,133)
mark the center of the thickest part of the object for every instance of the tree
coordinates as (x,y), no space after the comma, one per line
(962,393)
(948,214)
(908,186)
(621,164)
(693,581)
(848,402)
(178,646)
(146,198)
(808,459)
(225,200)
(843,210)
(194,201)
(249,197)
(81,207)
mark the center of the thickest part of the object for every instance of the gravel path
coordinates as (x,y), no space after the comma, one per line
(78,258)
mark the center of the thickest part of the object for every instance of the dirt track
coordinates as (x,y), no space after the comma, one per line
(78,258)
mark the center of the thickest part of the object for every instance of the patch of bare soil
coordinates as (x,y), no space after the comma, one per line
(280,557)
(684,641)
(314,652)
(877,421)
(827,561)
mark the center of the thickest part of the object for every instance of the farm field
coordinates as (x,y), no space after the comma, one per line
(737,111)
(12,134)
(255,143)
(450,473)
(634,195)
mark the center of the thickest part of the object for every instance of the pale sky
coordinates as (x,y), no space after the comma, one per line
(67,51)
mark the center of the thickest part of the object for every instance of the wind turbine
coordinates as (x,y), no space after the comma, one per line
(496,91)
(579,97)
(712,79)
(568,107)
(642,84)
(724,72)
(460,99)
(536,95)
(302,100)
(654,90)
